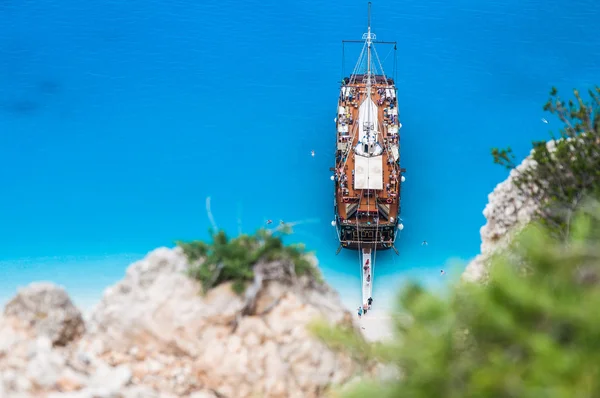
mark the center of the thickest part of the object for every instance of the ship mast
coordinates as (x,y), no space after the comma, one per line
(369,37)
(369,126)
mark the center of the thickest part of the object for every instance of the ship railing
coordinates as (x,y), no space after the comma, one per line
(356,199)
(367,225)
(377,79)
(363,242)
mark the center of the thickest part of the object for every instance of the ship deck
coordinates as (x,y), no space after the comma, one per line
(347,195)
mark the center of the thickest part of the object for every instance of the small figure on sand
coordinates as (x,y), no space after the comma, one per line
(269,222)
(312,153)
(442,272)
(370,301)
(424,243)
(360,312)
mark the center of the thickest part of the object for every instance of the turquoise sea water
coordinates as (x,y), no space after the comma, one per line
(118,119)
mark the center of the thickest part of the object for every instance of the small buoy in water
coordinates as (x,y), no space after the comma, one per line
(333,223)
(400,227)
(403,179)
(332,178)
(544,120)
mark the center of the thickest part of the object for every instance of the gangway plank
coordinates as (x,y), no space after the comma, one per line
(367,275)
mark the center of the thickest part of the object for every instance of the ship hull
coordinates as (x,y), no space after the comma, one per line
(357,238)
(367,173)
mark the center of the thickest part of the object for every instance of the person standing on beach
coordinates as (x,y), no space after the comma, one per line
(359,312)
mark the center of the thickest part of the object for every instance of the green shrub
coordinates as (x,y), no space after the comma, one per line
(520,335)
(224,259)
(564,177)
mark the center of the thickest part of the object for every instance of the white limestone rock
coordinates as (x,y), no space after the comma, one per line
(154,336)
(158,309)
(507,212)
(49,311)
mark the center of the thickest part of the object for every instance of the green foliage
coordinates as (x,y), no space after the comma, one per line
(563,177)
(504,157)
(533,334)
(224,259)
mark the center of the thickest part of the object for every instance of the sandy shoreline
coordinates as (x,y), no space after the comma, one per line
(376,325)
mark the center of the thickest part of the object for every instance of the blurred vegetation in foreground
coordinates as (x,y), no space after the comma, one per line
(531,331)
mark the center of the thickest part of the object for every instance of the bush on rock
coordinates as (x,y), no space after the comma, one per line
(226,259)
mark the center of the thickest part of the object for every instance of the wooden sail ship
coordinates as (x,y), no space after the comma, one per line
(367,172)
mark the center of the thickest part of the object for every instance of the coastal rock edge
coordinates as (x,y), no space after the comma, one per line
(153,335)
(507,212)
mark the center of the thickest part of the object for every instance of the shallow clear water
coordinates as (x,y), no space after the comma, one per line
(117,119)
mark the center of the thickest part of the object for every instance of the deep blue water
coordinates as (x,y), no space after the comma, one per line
(118,119)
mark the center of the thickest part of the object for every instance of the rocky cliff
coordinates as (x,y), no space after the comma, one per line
(154,335)
(507,212)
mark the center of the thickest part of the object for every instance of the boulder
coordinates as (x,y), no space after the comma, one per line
(49,311)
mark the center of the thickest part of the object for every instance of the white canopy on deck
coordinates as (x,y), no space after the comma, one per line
(368,172)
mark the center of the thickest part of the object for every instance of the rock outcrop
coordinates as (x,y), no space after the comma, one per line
(507,212)
(154,335)
(48,310)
